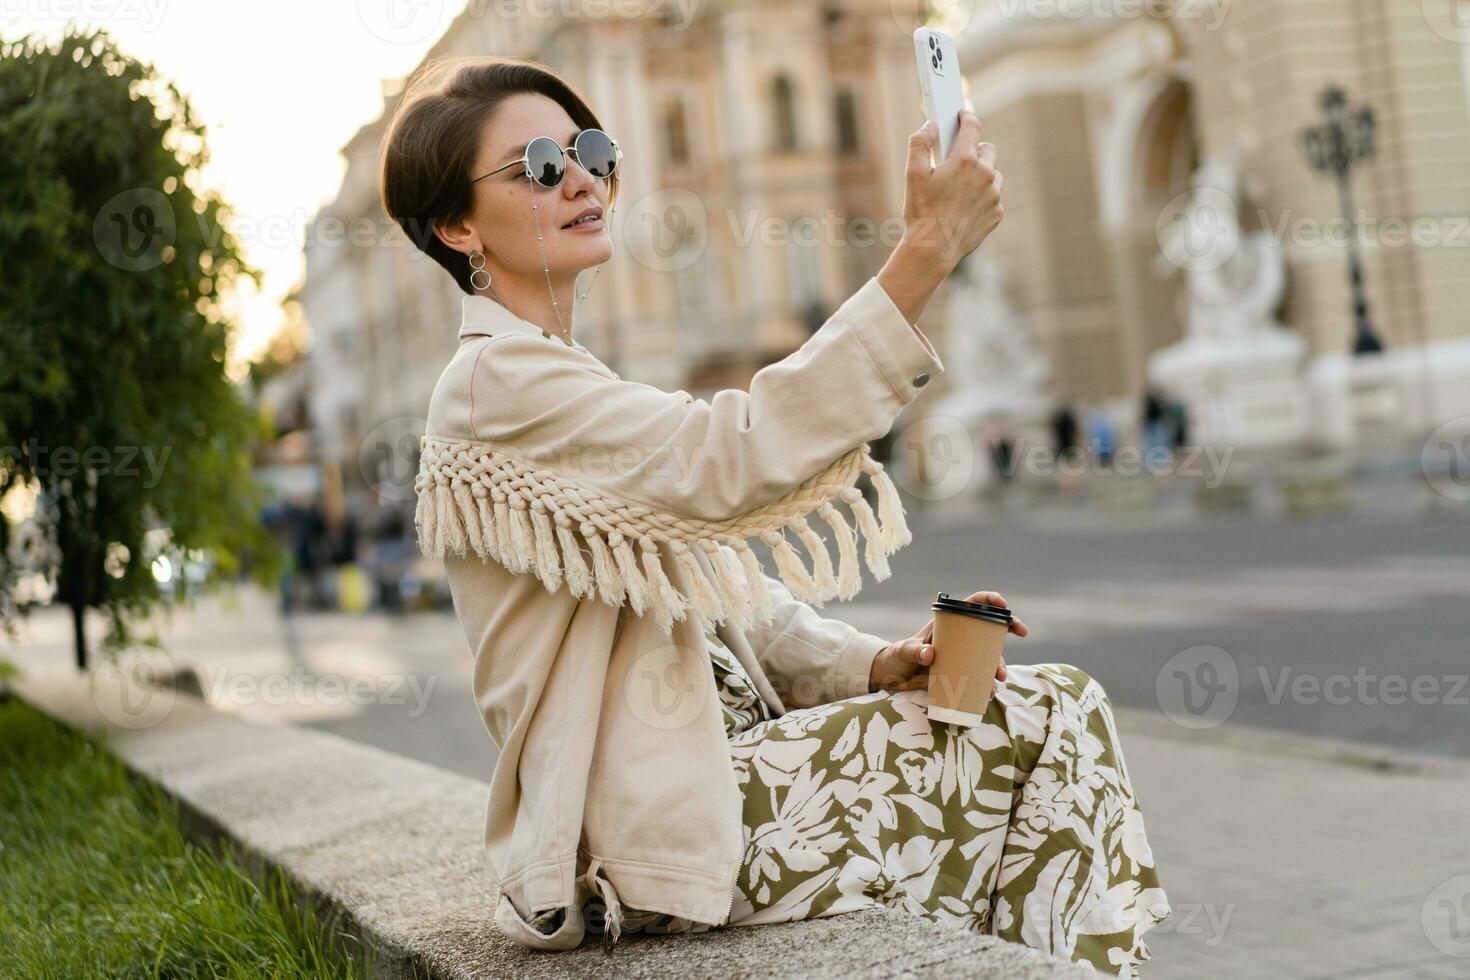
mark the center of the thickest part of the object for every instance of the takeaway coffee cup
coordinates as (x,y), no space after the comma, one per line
(968,637)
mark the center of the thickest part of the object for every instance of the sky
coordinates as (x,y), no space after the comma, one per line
(281,87)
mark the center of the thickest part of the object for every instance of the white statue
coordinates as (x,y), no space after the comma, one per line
(1237,368)
(1235,280)
(990,352)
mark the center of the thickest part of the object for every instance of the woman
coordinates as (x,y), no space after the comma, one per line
(684,742)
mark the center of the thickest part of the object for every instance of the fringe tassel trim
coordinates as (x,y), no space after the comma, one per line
(475,498)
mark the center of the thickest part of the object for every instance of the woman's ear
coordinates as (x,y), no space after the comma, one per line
(457,235)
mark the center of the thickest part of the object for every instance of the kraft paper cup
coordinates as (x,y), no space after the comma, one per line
(968,640)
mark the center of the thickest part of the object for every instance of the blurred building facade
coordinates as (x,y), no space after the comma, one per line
(763,176)
(1103,117)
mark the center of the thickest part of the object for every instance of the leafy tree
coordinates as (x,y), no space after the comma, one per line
(117,419)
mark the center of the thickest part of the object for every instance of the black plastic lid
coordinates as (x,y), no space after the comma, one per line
(980,610)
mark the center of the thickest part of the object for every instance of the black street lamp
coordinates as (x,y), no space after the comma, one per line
(1335,148)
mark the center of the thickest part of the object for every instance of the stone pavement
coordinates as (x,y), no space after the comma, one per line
(1290,857)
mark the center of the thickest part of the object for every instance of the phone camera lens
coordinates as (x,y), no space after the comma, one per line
(935,62)
(932,42)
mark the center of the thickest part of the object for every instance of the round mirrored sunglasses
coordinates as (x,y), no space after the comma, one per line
(545,160)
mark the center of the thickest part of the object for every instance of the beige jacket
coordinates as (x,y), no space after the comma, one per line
(591,527)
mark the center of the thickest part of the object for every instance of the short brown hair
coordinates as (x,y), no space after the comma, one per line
(433,139)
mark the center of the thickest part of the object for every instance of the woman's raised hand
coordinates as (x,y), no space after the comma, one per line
(950,208)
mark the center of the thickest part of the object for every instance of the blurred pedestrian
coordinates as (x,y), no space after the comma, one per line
(1157,430)
(391,555)
(1002,449)
(1100,436)
(1179,423)
(1064,431)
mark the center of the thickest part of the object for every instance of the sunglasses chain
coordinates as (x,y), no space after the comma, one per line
(556,308)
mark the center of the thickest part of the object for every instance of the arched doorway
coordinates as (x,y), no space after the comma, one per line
(1148,158)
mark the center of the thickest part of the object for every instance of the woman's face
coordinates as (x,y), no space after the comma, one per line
(502,215)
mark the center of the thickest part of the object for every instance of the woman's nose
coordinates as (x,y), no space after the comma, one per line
(577,176)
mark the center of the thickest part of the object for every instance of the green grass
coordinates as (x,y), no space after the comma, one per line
(98,880)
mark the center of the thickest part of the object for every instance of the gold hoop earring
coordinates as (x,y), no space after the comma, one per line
(478,270)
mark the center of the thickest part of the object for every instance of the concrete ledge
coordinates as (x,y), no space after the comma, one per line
(390,848)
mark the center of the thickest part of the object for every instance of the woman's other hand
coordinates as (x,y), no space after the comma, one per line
(904,666)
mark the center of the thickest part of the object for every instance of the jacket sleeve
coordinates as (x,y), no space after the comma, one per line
(810,659)
(710,460)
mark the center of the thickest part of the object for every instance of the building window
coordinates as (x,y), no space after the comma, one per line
(845,109)
(676,134)
(692,299)
(691,287)
(861,260)
(783,106)
(803,270)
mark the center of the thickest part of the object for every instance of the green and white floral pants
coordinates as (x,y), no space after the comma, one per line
(1024,826)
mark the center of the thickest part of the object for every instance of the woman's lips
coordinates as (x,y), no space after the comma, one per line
(592,224)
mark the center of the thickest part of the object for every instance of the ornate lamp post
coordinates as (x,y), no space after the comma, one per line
(1335,148)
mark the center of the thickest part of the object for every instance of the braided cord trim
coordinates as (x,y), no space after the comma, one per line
(475,497)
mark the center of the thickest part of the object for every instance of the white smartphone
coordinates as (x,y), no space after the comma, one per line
(939,78)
